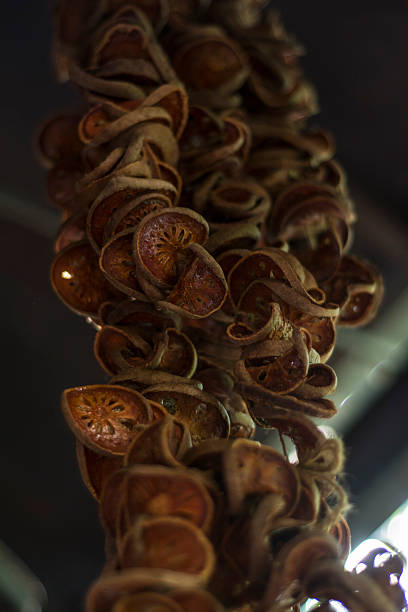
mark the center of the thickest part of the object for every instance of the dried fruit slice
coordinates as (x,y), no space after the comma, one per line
(161,240)
(146,602)
(95,468)
(104,417)
(58,139)
(129,215)
(160,444)
(72,230)
(118,349)
(92,123)
(341,533)
(179,356)
(77,280)
(201,289)
(322,331)
(196,601)
(111,587)
(173,98)
(169,543)
(159,490)
(251,468)
(201,412)
(116,262)
(321,380)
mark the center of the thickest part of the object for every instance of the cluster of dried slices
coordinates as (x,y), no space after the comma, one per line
(205,235)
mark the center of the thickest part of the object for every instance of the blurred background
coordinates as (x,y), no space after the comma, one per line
(357,57)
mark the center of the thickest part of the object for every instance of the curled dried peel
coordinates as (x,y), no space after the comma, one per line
(161,241)
(104,417)
(146,601)
(169,543)
(159,490)
(95,468)
(58,139)
(118,349)
(162,443)
(251,468)
(201,289)
(201,412)
(116,263)
(77,280)
(321,380)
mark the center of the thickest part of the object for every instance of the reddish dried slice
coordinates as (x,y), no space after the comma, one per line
(321,380)
(280,365)
(117,349)
(161,239)
(77,280)
(58,139)
(169,543)
(146,602)
(211,62)
(160,444)
(116,262)
(95,468)
(173,98)
(201,289)
(251,468)
(108,589)
(322,331)
(341,532)
(179,356)
(130,215)
(159,490)
(104,417)
(92,123)
(201,412)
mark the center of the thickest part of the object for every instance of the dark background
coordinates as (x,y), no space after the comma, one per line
(357,59)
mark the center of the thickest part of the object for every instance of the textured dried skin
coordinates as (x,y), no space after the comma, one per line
(130,215)
(241,235)
(72,230)
(179,356)
(196,600)
(341,533)
(118,349)
(207,455)
(358,288)
(118,192)
(322,331)
(278,364)
(109,88)
(146,602)
(140,377)
(321,380)
(162,443)
(169,543)
(164,491)
(209,62)
(58,139)
(251,468)
(262,403)
(140,313)
(104,417)
(202,413)
(201,289)
(61,182)
(239,200)
(294,561)
(95,468)
(107,590)
(116,263)
(77,280)
(161,240)
(173,98)
(358,593)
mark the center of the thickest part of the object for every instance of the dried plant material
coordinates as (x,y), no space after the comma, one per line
(164,491)
(161,241)
(358,289)
(58,139)
(104,417)
(95,468)
(77,280)
(72,230)
(321,380)
(250,468)
(196,600)
(162,443)
(118,349)
(146,601)
(169,543)
(201,412)
(116,262)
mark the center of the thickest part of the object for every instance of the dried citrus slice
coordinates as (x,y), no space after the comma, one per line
(162,237)
(95,468)
(117,349)
(170,543)
(250,467)
(146,602)
(196,600)
(321,380)
(61,184)
(77,280)
(58,139)
(129,215)
(104,417)
(92,123)
(201,412)
(322,331)
(201,289)
(160,444)
(179,356)
(159,490)
(72,230)
(341,532)
(116,262)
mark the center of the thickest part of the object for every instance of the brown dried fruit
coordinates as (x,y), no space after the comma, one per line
(104,417)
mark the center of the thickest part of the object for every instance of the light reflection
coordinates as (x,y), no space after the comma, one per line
(66,274)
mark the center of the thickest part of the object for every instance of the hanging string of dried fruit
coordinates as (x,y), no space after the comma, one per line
(205,235)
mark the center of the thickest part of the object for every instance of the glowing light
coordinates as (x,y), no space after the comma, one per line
(66,274)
